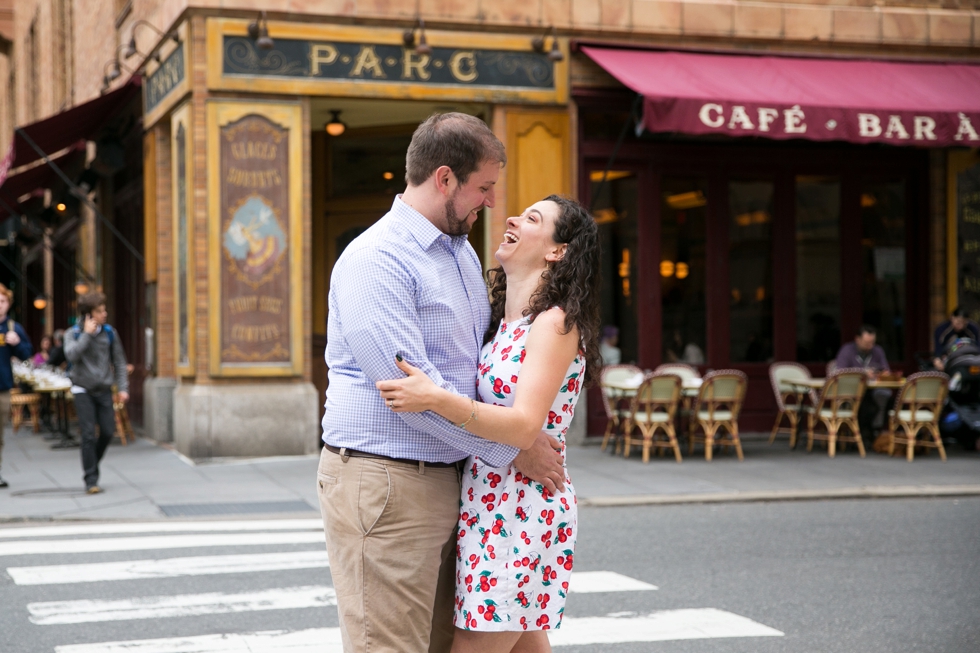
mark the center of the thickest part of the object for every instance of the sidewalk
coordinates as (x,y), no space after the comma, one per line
(148,481)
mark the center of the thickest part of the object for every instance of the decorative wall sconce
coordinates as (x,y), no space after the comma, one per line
(131,47)
(259,30)
(538,44)
(113,74)
(408,37)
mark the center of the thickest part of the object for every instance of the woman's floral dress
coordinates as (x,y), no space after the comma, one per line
(516,540)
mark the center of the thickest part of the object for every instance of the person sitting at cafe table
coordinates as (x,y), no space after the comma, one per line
(957,326)
(869,356)
(13,343)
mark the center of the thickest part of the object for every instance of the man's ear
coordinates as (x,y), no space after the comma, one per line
(445,180)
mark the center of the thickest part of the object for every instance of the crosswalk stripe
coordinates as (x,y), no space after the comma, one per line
(163,527)
(49,613)
(707,623)
(588,582)
(167,568)
(701,623)
(95,545)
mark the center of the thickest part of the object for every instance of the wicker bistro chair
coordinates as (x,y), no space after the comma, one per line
(653,410)
(717,407)
(612,399)
(686,372)
(837,407)
(918,406)
(18,402)
(789,399)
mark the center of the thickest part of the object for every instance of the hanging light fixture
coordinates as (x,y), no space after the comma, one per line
(538,45)
(408,38)
(81,287)
(40,302)
(336,127)
(259,30)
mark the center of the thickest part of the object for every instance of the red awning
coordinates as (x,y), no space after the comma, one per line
(37,178)
(930,104)
(80,122)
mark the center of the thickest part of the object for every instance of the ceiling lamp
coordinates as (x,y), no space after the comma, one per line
(335,127)
(40,302)
(81,288)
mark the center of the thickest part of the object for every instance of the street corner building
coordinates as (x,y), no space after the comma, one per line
(767,176)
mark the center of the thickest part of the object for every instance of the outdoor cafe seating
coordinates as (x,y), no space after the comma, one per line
(836,407)
(715,417)
(789,397)
(652,415)
(616,382)
(917,408)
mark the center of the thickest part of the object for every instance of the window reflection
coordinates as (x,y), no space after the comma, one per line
(883,255)
(615,212)
(817,268)
(682,269)
(750,270)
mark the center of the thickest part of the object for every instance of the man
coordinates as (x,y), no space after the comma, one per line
(13,343)
(867,355)
(97,362)
(389,484)
(956,327)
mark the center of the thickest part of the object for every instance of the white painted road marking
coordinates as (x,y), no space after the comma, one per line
(34,547)
(51,613)
(164,527)
(587,582)
(703,623)
(657,627)
(167,568)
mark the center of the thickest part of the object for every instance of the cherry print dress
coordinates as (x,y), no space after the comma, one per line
(516,540)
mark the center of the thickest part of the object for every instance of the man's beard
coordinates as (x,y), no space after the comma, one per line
(454,225)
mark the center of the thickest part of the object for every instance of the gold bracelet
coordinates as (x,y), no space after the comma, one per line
(472,414)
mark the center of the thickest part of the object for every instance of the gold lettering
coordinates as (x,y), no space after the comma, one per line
(971,246)
(413,61)
(367,59)
(971,214)
(253,334)
(463,65)
(971,284)
(253,150)
(270,305)
(254,179)
(242,304)
(321,54)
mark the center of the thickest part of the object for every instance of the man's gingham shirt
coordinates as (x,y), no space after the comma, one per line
(404,287)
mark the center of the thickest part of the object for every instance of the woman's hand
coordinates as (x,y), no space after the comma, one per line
(413,394)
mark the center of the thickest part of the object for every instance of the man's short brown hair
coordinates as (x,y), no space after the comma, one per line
(89,302)
(4,290)
(458,140)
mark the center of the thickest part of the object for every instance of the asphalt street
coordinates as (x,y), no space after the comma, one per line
(858,576)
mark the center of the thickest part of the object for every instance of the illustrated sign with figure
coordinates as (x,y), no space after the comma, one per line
(255,251)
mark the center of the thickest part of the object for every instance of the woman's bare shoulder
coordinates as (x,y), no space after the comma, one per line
(552,321)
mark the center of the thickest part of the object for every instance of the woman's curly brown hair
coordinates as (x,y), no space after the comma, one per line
(571,283)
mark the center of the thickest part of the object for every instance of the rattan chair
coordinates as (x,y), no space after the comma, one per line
(18,402)
(124,428)
(653,412)
(918,406)
(789,398)
(612,399)
(837,407)
(717,407)
(682,370)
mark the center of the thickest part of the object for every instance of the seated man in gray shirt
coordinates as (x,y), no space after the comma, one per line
(864,353)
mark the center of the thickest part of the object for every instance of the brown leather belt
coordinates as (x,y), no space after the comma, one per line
(353,453)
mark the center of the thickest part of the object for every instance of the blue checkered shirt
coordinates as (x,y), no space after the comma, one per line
(404,287)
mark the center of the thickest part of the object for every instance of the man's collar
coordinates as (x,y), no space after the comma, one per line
(421,228)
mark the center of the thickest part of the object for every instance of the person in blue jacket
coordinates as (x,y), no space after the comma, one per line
(14,343)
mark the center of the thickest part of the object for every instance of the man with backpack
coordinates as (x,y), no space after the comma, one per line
(13,343)
(97,363)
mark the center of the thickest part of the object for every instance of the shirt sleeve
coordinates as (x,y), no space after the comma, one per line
(24,349)
(119,365)
(843,360)
(375,299)
(879,361)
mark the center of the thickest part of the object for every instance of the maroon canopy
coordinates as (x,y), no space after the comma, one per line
(930,104)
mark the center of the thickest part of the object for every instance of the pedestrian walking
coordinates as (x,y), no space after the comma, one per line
(14,343)
(97,362)
(516,544)
(389,483)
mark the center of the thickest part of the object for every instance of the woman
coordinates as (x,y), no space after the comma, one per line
(41,357)
(516,540)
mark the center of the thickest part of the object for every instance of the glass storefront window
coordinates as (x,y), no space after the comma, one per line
(366,165)
(682,269)
(750,270)
(615,211)
(817,268)
(883,257)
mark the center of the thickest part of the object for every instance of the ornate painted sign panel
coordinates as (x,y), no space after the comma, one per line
(255,254)
(164,79)
(358,61)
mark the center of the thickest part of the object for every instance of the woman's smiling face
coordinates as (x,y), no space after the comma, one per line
(530,238)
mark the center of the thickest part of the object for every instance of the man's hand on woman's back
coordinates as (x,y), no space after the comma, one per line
(543,463)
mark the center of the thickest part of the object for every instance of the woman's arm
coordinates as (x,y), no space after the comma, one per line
(549,352)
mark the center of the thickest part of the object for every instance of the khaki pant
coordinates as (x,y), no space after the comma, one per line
(391,539)
(4,412)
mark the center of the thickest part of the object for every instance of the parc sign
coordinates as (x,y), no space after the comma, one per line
(813,123)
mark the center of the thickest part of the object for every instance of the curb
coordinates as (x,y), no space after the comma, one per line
(866,492)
